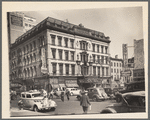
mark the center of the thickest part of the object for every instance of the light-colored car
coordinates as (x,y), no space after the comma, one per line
(34,100)
(130,102)
(73,91)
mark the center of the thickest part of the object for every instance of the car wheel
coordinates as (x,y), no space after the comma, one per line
(94,99)
(35,109)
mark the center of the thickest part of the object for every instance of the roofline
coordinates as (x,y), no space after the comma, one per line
(48,24)
(117,59)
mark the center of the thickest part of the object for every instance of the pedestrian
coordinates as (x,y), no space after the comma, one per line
(85,102)
(62,96)
(67,94)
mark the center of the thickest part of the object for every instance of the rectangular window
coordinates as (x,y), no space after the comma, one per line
(34,44)
(80,45)
(94,70)
(98,48)
(60,54)
(72,43)
(53,39)
(98,59)
(114,64)
(54,68)
(102,71)
(106,71)
(73,69)
(54,53)
(117,64)
(66,55)
(102,49)
(106,60)
(72,56)
(102,59)
(111,64)
(61,69)
(93,47)
(81,57)
(120,64)
(59,41)
(66,42)
(112,70)
(93,58)
(98,71)
(67,69)
(106,48)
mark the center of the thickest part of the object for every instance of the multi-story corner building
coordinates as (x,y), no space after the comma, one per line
(18,24)
(61,54)
(116,69)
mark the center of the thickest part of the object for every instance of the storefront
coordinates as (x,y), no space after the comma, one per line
(61,83)
(89,81)
(71,82)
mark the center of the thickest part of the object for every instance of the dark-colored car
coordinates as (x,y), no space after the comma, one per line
(96,94)
(130,102)
(131,87)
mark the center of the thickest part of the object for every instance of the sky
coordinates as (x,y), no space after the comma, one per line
(122,25)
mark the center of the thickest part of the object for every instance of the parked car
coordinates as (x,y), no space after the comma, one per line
(35,101)
(73,91)
(57,92)
(130,102)
(130,87)
(96,94)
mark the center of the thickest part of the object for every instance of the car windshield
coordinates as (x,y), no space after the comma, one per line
(37,95)
(135,100)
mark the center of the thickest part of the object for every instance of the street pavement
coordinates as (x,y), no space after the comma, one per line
(71,107)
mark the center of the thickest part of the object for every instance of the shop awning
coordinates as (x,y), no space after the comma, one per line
(72,85)
(62,85)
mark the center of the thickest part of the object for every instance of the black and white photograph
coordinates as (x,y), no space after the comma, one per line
(75,60)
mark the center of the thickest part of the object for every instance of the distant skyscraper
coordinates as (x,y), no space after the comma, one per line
(18,23)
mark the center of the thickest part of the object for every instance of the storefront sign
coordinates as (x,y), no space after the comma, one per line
(16,20)
(126,73)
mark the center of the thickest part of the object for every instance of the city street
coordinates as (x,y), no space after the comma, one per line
(71,107)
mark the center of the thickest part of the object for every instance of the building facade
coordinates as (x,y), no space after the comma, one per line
(116,72)
(60,54)
(18,24)
(139,72)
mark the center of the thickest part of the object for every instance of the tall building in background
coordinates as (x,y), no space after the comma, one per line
(138,72)
(18,24)
(62,54)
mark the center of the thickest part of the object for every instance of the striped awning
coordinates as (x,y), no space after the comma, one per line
(72,85)
(62,85)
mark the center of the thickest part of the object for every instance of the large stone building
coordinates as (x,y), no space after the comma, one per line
(61,54)
(116,69)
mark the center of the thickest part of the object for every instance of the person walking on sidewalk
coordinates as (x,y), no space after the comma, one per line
(67,94)
(85,102)
(62,96)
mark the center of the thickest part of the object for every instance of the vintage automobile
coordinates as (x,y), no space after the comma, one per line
(130,102)
(73,91)
(35,101)
(96,94)
(130,87)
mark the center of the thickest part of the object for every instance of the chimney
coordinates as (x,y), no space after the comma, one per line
(116,56)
